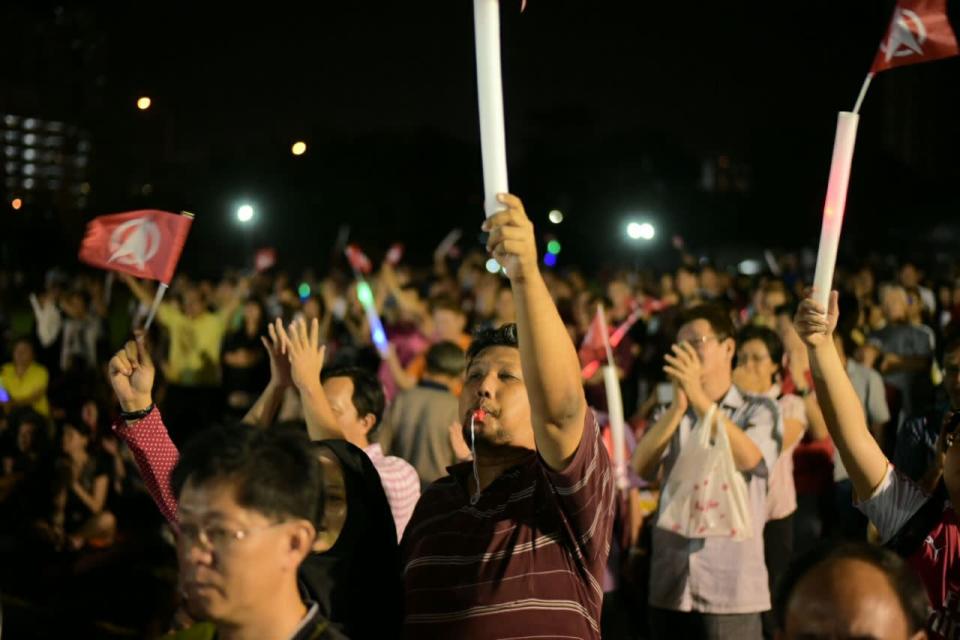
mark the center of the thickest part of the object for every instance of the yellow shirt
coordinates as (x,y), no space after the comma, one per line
(194,356)
(34,380)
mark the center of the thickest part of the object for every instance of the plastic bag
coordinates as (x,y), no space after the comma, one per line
(705,495)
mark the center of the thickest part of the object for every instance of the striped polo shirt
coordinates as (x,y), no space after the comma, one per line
(526,561)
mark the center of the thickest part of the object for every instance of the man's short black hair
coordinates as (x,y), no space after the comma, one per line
(714,314)
(903,579)
(368,396)
(446,358)
(505,336)
(274,472)
(768,337)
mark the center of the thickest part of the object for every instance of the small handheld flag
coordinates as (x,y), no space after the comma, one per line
(145,244)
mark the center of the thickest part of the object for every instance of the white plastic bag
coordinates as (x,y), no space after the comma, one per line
(705,495)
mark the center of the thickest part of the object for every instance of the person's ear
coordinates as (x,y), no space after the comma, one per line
(731,346)
(301,541)
(368,421)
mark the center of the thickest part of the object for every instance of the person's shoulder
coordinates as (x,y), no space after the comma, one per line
(400,464)
(759,402)
(38,369)
(440,496)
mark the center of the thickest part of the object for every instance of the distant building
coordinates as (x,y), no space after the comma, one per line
(44,162)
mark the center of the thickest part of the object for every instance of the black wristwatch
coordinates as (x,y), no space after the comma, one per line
(132,416)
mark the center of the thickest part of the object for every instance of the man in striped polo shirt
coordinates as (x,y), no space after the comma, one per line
(514,544)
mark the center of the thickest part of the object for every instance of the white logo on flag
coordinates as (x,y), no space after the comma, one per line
(933,545)
(134,242)
(907,35)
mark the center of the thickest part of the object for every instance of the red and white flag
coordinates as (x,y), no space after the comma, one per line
(918,32)
(593,346)
(265,259)
(394,254)
(358,260)
(145,244)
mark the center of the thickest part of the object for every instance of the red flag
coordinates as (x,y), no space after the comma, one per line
(358,260)
(394,254)
(593,346)
(145,244)
(918,32)
(265,259)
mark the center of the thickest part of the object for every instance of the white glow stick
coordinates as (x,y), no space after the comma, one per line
(833,209)
(493,145)
(611,383)
(615,412)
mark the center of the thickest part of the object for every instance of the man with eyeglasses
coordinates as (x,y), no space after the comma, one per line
(245,504)
(710,587)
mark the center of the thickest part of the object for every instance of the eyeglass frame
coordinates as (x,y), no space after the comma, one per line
(203,539)
(701,341)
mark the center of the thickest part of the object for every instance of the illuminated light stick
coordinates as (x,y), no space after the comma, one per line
(377,334)
(493,138)
(611,384)
(835,204)
(844,142)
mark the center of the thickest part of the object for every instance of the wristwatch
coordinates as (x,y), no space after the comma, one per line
(132,416)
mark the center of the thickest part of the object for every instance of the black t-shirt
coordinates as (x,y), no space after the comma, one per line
(249,379)
(98,464)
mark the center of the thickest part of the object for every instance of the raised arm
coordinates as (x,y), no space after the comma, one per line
(649,451)
(306,362)
(131,374)
(139,291)
(265,409)
(683,365)
(551,369)
(841,406)
(400,375)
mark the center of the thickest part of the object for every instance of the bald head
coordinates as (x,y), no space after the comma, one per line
(851,592)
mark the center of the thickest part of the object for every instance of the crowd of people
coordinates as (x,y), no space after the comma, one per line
(289,478)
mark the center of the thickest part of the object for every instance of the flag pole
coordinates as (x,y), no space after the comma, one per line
(157,299)
(863,92)
(161,290)
(108,288)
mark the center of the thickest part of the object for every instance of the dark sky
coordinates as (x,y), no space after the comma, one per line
(612,108)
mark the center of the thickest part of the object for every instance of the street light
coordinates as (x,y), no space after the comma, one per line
(640,231)
(245,213)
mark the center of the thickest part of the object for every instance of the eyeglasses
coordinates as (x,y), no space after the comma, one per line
(215,537)
(700,342)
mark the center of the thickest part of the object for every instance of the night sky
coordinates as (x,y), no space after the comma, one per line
(612,109)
